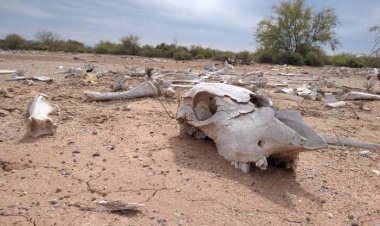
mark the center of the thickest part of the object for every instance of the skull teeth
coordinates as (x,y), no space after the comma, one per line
(243,166)
(262,163)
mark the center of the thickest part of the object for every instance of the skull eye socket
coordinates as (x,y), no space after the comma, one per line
(260,143)
(204,106)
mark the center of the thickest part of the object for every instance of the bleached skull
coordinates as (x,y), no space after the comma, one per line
(244,126)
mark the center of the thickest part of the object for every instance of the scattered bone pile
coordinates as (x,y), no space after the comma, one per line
(222,104)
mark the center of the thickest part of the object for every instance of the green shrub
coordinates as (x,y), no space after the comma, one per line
(347,60)
(182,53)
(244,57)
(105,47)
(264,56)
(289,58)
(14,41)
(316,59)
(222,55)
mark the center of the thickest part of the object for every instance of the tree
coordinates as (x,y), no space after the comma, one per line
(295,28)
(74,46)
(14,41)
(47,39)
(130,45)
(376,47)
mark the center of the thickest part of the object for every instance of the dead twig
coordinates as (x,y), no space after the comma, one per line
(352,109)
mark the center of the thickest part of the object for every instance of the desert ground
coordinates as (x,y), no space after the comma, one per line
(132,151)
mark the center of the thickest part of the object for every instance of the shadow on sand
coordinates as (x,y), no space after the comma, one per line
(274,184)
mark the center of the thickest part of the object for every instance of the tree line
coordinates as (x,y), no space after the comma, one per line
(293,34)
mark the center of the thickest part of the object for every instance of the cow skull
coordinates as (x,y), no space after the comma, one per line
(244,126)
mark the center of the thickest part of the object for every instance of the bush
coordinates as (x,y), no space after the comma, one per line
(130,45)
(347,60)
(75,46)
(244,57)
(289,58)
(106,47)
(317,59)
(264,56)
(14,41)
(182,53)
(223,55)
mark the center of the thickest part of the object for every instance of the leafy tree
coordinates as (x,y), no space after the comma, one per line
(14,41)
(295,28)
(130,45)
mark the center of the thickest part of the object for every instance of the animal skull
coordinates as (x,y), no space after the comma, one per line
(37,120)
(244,126)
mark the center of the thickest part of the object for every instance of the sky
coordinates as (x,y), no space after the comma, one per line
(220,24)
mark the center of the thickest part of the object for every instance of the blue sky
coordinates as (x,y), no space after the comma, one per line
(222,24)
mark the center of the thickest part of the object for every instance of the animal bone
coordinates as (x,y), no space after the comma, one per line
(120,84)
(244,126)
(145,89)
(360,96)
(342,141)
(38,121)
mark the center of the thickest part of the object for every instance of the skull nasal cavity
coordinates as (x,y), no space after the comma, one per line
(204,106)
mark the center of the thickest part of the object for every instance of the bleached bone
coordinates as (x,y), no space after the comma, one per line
(360,96)
(343,141)
(145,89)
(35,78)
(337,104)
(38,121)
(7,71)
(120,84)
(244,126)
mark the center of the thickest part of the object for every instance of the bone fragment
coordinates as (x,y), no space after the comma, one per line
(360,96)
(337,104)
(145,89)
(120,84)
(7,71)
(37,118)
(342,141)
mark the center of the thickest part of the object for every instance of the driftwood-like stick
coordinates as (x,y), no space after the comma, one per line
(146,89)
(339,141)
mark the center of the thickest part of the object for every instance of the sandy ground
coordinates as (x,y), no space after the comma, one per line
(131,151)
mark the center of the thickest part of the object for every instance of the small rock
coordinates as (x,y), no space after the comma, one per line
(127,108)
(110,147)
(76,152)
(53,201)
(354,223)
(177,190)
(364,153)
(58,190)
(330,215)
(96,154)
(94,133)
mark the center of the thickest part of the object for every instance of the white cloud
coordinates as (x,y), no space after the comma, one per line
(24,9)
